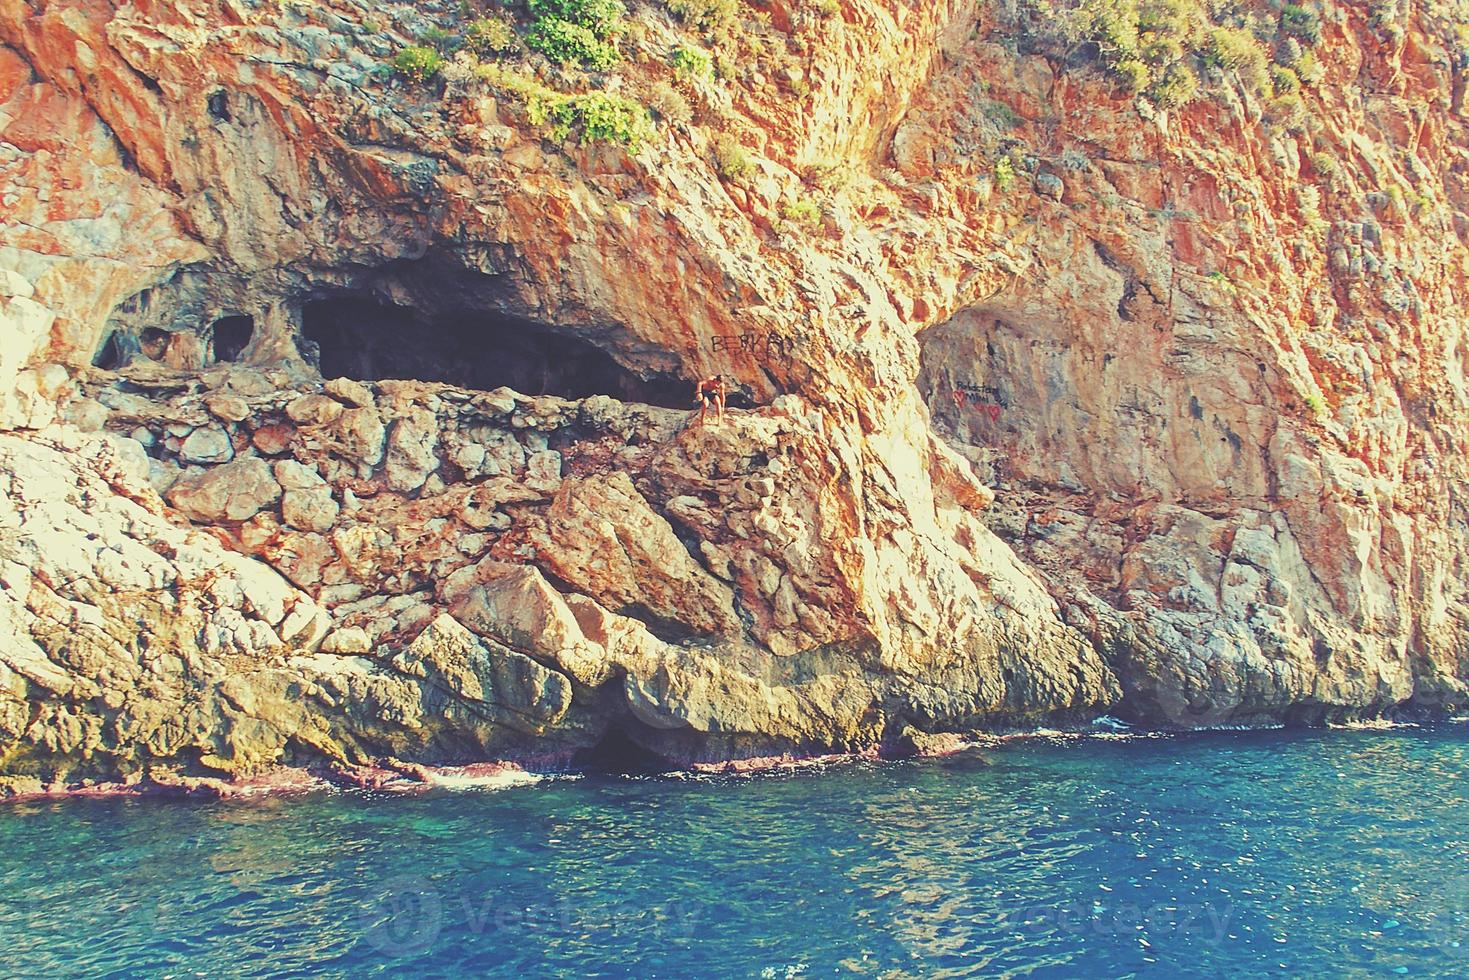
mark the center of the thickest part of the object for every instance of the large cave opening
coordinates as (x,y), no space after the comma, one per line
(368,340)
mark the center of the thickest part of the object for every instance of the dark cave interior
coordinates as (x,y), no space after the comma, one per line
(366,340)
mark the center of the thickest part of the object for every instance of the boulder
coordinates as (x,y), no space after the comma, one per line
(233,492)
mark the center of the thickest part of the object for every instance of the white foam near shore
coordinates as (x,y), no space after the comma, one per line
(468,779)
(1373,725)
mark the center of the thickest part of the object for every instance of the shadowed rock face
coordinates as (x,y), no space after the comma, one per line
(347,421)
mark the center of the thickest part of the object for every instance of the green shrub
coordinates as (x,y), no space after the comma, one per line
(595,117)
(1178,19)
(567,43)
(1309,69)
(691,63)
(1158,49)
(828,8)
(832,174)
(1161,50)
(1286,111)
(1284,81)
(1315,405)
(418,63)
(1133,74)
(803,212)
(440,40)
(1300,22)
(1004,174)
(730,158)
(517,81)
(1001,114)
(712,16)
(601,17)
(669,103)
(1177,87)
(1235,49)
(1327,167)
(488,36)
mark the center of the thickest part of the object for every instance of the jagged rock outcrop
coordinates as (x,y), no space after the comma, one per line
(1133,422)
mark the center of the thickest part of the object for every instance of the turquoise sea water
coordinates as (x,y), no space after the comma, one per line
(1342,853)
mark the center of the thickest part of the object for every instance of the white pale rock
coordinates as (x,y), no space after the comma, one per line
(309,510)
(207,445)
(347,639)
(349,392)
(236,491)
(295,476)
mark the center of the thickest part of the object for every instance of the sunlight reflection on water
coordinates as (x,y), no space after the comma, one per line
(1219,854)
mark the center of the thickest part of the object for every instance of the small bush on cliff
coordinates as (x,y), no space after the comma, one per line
(1309,70)
(418,63)
(711,16)
(1284,81)
(1327,167)
(488,36)
(1300,22)
(441,40)
(1286,111)
(730,158)
(576,31)
(1004,175)
(595,117)
(601,17)
(1176,88)
(1132,74)
(1154,48)
(669,103)
(691,63)
(566,43)
(803,212)
(1000,114)
(1235,49)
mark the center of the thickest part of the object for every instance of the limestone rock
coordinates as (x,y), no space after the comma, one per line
(349,392)
(349,639)
(310,509)
(600,535)
(235,491)
(207,445)
(515,689)
(411,455)
(227,407)
(313,410)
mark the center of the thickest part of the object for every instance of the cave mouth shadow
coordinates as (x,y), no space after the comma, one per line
(366,340)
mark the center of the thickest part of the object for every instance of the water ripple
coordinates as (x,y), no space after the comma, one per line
(1222,854)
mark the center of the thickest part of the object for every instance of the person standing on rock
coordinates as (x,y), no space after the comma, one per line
(711,391)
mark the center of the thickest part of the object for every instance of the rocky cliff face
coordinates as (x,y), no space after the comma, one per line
(345,417)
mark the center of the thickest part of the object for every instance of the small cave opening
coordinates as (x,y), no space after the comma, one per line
(231,335)
(617,753)
(370,341)
(114,353)
(219,105)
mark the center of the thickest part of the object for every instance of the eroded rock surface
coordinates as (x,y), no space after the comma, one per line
(1143,427)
